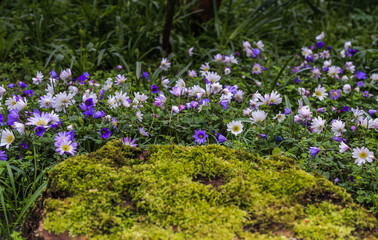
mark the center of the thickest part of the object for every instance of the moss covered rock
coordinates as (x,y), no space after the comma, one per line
(207,192)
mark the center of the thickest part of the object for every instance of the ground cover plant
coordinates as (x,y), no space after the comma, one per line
(316,106)
(201,192)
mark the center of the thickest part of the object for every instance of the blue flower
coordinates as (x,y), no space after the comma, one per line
(154,89)
(287,111)
(39,130)
(99,114)
(314,151)
(220,138)
(29,92)
(11,85)
(105,133)
(200,136)
(320,44)
(224,103)
(3,156)
(278,139)
(13,117)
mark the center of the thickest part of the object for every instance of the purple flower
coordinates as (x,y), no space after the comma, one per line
(115,123)
(345,109)
(334,94)
(256,51)
(365,94)
(29,92)
(105,133)
(263,135)
(224,103)
(119,67)
(3,156)
(129,142)
(322,110)
(353,128)
(193,104)
(360,84)
(278,139)
(23,85)
(11,85)
(329,48)
(102,94)
(320,44)
(39,130)
(287,111)
(89,112)
(200,136)
(144,133)
(296,69)
(99,114)
(13,117)
(371,112)
(309,59)
(351,52)
(297,80)
(61,137)
(24,145)
(220,138)
(336,180)
(314,151)
(205,101)
(1,119)
(145,75)
(53,74)
(154,89)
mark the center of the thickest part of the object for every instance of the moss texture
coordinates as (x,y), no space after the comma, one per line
(209,192)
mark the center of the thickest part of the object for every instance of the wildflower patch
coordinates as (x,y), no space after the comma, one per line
(202,192)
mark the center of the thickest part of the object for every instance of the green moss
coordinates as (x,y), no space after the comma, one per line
(212,192)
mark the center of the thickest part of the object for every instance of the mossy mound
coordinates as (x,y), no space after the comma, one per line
(208,192)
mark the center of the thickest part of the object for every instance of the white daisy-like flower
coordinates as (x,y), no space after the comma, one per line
(333,71)
(347,45)
(205,68)
(50,89)
(246,45)
(139,98)
(324,54)
(39,119)
(275,98)
(320,36)
(65,74)
(73,90)
(11,102)
(343,147)
(320,93)
(305,113)
(217,58)
(190,51)
(280,117)
(338,127)
(215,88)
(21,104)
(121,98)
(2,91)
(357,114)
(342,53)
(327,63)
(164,82)
(239,96)
(258,116)
(306,52)
(350,67)
(345,78)
(180,83)
(373,77)
(362,155)
(230,59)
(260,45)
(175,110)
(38,79)
(20,128)
(120,79)
(196,91)
(62,100)
(227,71)
(318,124)
(139,115)
(302,91)
(212,77)
(112,102)
(7,138)
(235,127)
(347,88)
(88,94)
(165,64)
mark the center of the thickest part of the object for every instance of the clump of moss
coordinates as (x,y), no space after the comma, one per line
(207,192)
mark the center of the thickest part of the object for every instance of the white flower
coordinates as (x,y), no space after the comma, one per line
(343,147)
(175,110)
(230,59)
(196,91)
(306,52)
(333,71)
(318,124)
(65,74)
(120,79)
(338,127)
(205,68)
(246,45)
(258,116)
(21,104)
(327,63)
(320,37)
(280,117)
(3,90)
(165,64)
(62,100)
(139,115)
(260,45)
(121,98)
(88,94)
(70,127)
(74,90)
(275,98)
(139,98)
(112,102)
(345,78)
(305,113)
(38,79)
(20,127)
(164,82)
(347,45)
(362,155)
(320,92)
(350,67)
(301,91)
(217,58)
(39,119)
(7,138)
(235,127)
(190,51)
(239,96)
(50,89)
(180,83)
(192,74)
(342,53)
(227,71)
(212,77)
(373,77)
(347,88)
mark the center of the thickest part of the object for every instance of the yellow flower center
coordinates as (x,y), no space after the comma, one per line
(10,139)
(65,148)
(279,116)
(235,128)
(206,69)
(64,101)
(318,93)
(256,69)
(14,103)
(363,155)
(334,94)
(40,122)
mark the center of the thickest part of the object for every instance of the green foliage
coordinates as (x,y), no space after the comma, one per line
(207,192)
